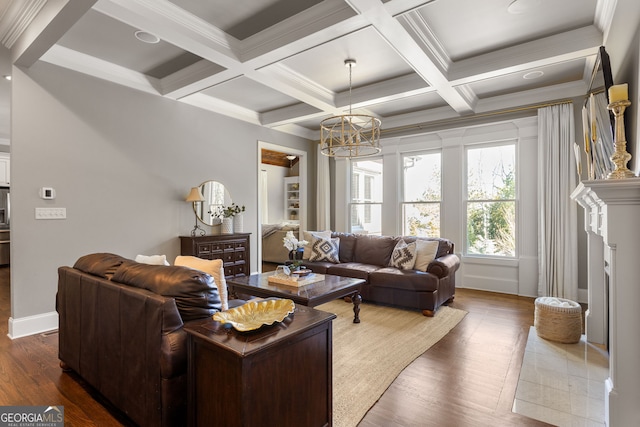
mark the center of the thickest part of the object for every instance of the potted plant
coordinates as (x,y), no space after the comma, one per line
(295,246)
(228,213)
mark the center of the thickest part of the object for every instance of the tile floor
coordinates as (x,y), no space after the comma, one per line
(562,384)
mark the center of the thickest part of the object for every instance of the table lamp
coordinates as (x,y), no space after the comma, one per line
(195,197)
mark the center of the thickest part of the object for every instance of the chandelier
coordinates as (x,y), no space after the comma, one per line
(350,135)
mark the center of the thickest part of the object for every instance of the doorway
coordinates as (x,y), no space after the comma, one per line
(300,218)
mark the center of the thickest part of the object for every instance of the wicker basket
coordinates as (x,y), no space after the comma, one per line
(561,323)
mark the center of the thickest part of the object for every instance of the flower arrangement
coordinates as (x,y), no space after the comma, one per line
(292,243)
(230,211)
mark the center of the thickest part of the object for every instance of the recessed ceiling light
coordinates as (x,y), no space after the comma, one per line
(523,6)
(146,37)
(533,75)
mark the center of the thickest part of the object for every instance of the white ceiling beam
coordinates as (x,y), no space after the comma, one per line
(222,107)
(52,21)
(402,42)
(189,79)
(83,63)
(564,47)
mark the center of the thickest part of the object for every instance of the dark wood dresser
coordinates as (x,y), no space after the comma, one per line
(232,249)
(276,376)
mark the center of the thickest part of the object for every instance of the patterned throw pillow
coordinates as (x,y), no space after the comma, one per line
(325,250)
(403,256)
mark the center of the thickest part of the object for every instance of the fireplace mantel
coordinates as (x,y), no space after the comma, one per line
(612,223)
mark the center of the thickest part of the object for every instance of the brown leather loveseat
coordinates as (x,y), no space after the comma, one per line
(368,257)
(121,330)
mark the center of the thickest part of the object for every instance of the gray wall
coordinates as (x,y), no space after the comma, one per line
(121,162)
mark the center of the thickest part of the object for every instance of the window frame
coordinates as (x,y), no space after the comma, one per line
(466,200)
(363,188)
(404,202)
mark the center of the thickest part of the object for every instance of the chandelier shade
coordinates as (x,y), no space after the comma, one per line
(350,135)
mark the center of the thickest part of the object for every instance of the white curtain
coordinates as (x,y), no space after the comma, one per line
(264,202)
(557,239)
(323,189)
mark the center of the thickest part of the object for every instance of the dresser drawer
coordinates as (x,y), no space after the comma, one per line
(232,249)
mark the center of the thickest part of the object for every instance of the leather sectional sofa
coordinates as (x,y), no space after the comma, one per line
(121,329)
(367,257)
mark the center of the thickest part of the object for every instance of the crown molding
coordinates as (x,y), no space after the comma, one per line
(17,18)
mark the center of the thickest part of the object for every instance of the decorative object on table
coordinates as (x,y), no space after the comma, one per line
(295,246)
(196,198)
(292,279)
(226,226)
(350,135)
(618,102)
(228,214)
(253,315)
(238,223)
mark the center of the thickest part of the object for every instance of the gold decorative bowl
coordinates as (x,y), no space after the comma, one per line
(254,314)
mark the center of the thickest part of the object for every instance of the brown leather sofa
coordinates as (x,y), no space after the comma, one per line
(367,257)
(121,330)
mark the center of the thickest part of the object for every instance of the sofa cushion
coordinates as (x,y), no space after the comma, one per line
(100,264)
(352,269)
(213,267)
(325,249)
(407,280)
(403,255)
(426,251)
(347,246)
(374,250)
(195,294)
(152,259)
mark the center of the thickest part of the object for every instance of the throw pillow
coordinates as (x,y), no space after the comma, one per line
(325,250)
(403,256)
(308,236)
(152,259)
(214,268)
(426,252)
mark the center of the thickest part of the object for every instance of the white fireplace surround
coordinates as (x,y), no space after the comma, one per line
(612,223)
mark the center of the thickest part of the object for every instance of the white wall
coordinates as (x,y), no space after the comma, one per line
(122,162)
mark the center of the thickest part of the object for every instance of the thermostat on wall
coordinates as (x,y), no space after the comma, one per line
(47,193)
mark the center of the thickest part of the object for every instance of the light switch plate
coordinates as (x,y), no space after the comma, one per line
(51,213)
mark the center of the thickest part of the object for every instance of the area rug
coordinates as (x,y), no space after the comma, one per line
(367,357)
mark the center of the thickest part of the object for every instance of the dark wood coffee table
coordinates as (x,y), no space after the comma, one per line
(311,295)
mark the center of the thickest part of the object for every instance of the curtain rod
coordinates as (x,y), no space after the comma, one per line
(476,116)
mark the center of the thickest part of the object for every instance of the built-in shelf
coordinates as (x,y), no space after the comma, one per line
(292,199)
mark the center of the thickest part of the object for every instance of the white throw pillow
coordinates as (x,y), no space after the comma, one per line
(152,259)
(403,255)
(308,236)
(426,251)
(213,267)
(325,250)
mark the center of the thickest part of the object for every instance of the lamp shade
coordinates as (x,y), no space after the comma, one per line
(194,195)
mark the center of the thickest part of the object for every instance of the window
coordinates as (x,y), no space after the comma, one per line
(366,196)
(422,194)
(491,200)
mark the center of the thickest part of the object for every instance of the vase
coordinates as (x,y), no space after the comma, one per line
(238,223)
(296,254)
(227,226)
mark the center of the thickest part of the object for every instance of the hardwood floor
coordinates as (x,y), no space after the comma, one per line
(469,378)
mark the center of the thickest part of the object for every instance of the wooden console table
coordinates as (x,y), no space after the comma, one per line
(232,249)
(279,375)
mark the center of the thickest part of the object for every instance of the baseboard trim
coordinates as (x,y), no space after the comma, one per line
(32,325)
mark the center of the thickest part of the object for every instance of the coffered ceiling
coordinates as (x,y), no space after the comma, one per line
(280,63)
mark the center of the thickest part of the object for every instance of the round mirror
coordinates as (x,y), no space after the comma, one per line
(215,197)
